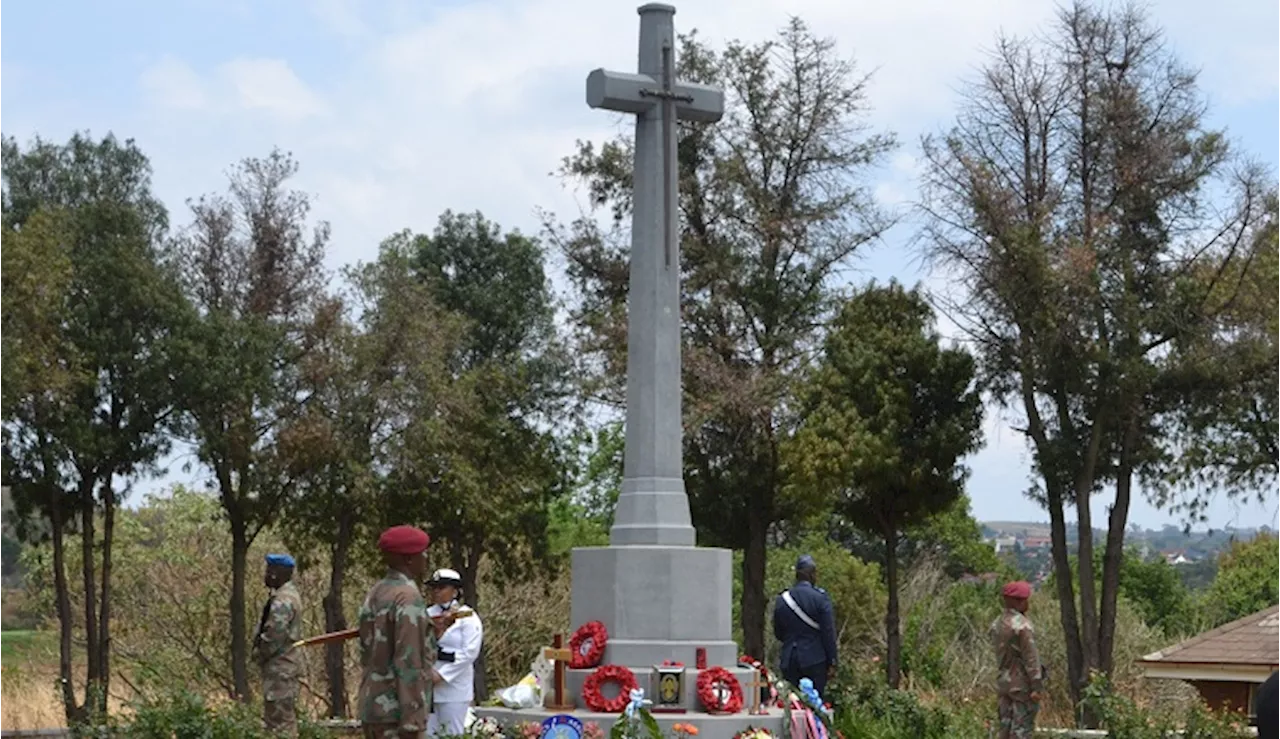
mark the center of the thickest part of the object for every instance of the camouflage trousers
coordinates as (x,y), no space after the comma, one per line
(1017,718)
(279,699)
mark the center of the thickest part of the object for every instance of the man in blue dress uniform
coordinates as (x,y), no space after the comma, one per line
(804,621)
(1264,708)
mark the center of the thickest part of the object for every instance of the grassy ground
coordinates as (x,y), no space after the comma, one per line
(27,646)
(30,668)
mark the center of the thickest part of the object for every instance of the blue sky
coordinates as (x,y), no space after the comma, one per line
(398,109)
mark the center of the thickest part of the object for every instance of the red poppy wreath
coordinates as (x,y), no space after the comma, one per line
(719,691)
(594,698)
(586,646)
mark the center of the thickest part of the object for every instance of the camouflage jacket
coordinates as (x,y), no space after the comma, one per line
(397,649)
(281,627)
(1014,640)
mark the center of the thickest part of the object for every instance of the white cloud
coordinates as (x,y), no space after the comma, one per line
(239,86)
(471,106)
(342,17)
(171,83)
(270,85)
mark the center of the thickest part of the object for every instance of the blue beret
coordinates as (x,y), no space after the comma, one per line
(806,563)
(283,560)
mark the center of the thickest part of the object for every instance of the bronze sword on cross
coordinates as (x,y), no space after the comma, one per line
(668,96)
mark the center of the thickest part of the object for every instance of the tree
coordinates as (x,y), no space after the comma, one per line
(482,459)
(90,400)
(1076,200)
(854,585)
(1156,591)
(1227,432)
(1248,573)
(385,344)
(584,517)
(600,481)
(950,535)
(888,415)
(252,272)
(772,210)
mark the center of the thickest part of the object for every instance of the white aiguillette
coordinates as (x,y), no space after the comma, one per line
(457,611)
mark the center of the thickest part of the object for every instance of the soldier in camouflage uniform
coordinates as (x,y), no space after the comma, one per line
(279,628)
(1020,684)
(397,642)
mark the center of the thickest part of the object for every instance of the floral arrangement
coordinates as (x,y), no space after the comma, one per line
(594,698)
(791,698)
(753,733)
(636,721)
(755,664)
(719,691)
(533,730)
(811,698)
(684,730)
(587,645)
(484,727)
(638,703)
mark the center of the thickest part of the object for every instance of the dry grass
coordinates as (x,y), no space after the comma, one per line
(29,695)
(26,704)
(519,620)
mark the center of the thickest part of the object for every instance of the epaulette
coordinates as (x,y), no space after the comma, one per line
(820,590)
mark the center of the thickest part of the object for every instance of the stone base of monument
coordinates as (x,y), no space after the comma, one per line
(709,726)
(575,678)
(658,602)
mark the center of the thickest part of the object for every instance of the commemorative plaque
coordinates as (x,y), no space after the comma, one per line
(668,689)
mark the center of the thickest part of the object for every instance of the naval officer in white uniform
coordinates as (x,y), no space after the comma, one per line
(459,647)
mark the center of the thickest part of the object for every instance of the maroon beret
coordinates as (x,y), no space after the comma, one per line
(1020,589)
(404,540)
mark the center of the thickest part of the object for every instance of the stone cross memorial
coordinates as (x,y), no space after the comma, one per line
(652,508)
(660,596)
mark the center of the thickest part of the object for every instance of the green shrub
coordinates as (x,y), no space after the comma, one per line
(856,592)
(867,708)
(942,628)
(187,715)
(1124,719)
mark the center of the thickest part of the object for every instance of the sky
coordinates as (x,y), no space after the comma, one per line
(400,109)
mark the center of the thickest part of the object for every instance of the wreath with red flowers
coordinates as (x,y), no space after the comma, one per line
(594,698)
(587,645)
(769,691)
(713,682)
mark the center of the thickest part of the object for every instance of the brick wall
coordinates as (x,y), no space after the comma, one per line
(1232,695)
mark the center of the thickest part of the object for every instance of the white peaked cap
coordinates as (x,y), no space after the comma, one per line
(450,577)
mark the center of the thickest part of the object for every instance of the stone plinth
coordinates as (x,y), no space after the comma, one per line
(709,727)
(658,603)
(575,678)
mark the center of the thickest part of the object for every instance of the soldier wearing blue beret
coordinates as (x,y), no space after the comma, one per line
(280,627)
(804,621)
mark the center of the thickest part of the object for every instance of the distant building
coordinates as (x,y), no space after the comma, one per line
(1036,542)
(1226,665)
(1004,543)
(1177,558)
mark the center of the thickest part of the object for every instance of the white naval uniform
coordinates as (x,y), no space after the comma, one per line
(452,697)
